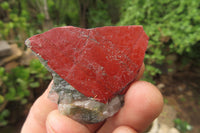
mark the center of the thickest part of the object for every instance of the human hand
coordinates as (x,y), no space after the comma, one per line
(143,103)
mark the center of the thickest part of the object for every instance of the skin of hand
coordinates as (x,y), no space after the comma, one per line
(143,103)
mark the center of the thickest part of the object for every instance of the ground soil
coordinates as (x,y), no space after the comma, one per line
(182,91)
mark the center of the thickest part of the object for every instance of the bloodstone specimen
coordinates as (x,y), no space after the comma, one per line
(92,68)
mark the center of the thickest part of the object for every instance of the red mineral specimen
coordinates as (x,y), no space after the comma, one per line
(100,63)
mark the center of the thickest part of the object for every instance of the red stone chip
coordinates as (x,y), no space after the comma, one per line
(100,63)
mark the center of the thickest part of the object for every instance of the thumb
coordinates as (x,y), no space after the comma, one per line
(58,123)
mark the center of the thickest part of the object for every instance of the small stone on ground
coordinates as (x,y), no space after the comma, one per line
(5,49)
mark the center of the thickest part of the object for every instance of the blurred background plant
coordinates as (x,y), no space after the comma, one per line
(183,126)
(15,85)
(173,28)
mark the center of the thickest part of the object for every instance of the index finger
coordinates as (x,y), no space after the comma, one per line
(36,118)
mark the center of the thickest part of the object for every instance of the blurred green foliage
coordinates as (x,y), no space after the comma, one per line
(98,15)
(173,27)
(21,19)
(178,20)
(15,85)
(182,126)
(64,12)
(15,21)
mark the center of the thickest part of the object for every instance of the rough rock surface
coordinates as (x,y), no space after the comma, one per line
(106,59)
(91,68)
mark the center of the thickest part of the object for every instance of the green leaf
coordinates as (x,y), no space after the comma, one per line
(21,73)
(5,5)
(1,99)
(26,92)
(5,113)
(2,70)
(11,94)
(34,84)
(40,17)
(24,101)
